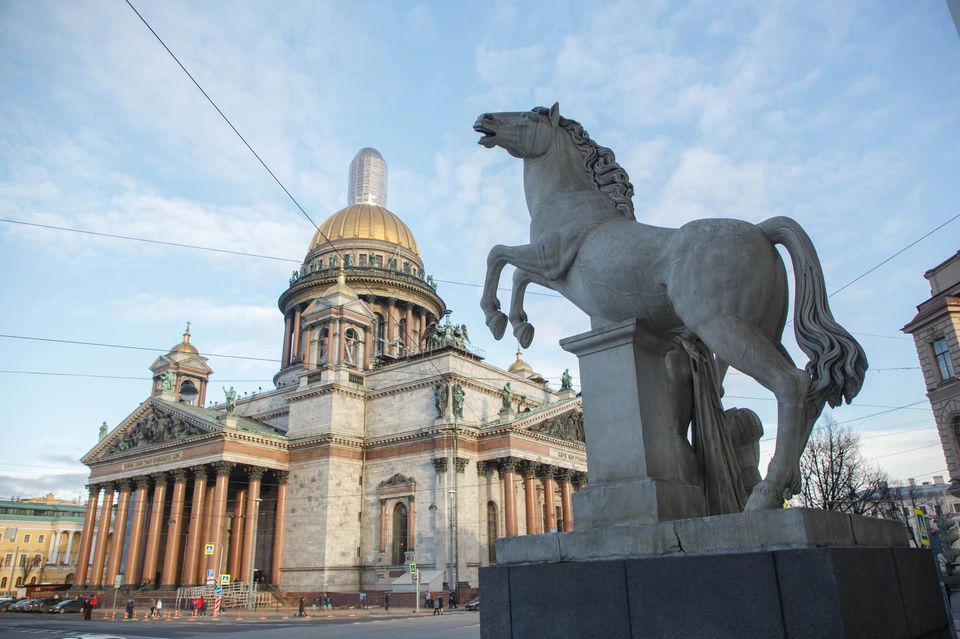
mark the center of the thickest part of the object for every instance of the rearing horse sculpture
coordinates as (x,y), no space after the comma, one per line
(719,279)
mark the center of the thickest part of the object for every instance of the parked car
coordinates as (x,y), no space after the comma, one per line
(20,605)
(42,605)
(6,603)
(66,605)
(472,605)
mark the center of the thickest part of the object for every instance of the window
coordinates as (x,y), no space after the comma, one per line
(3,583)
(37,559)
(40,539)
(23,561)
(400,524)
(332,261)
(33,580)
(379,260)
(378,328)
(956,506)
(942,354)
(19,581)
(8,560)
(492,532)
(923,509)
(26,539)
(363,259)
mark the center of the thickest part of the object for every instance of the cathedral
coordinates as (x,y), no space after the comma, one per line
(387,440)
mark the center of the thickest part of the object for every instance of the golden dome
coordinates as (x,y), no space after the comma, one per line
(520,367)
(365,222)
(185,346)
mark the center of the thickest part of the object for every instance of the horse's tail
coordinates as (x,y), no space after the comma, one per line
(837,363)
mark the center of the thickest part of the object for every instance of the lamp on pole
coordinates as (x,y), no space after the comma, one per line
(253,552)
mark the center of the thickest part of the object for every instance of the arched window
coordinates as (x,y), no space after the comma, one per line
(492,532)
(3,583)
(323,345)
(403,337)
(351,347)
(33,580)
(400,523)
(955,422)
(19,582)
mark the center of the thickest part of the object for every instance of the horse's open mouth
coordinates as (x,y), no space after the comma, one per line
(488,135)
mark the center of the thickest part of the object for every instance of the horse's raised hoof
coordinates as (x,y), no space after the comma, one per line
(497,323)
(765,496)
(524,334)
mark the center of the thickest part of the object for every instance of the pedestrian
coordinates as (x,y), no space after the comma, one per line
(87,608)
(301,612)
(427,600)
(386,601)
(440,603)
(153,609)
(94,602)
(453,600)
(436,606)
(130,607)
(159,608)
(201,607)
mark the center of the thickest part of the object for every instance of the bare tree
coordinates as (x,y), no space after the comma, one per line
(835,474)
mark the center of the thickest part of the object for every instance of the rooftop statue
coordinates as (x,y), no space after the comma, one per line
(230,400)
(719,283)
(166,380)
(103,431)
(566,381)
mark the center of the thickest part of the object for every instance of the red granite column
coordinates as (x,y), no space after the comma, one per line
(194,529)
(171,556)
(296,336)
(410,339)
(566,503)
(119,532)
(529,470)
(201,576)
(218,516)
(287,328)
(368,351)
(86,539)
(549,501)
(136,531)
(391,323)
(507,470)
(383,525)
(411,524)
(236,533)
(151,555)
(103,537)
(279,526)
(255,474)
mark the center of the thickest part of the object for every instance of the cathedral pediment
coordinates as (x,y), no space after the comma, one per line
(150,426)
(568,426)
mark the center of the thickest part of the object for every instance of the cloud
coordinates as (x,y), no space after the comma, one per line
(62,485)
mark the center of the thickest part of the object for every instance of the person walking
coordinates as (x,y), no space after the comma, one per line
(440,603)
(301,612)
(158,610)
(130,607)
(94,602)
(87,609)
(436,606)
(201,607)
(453,600)
(386,601)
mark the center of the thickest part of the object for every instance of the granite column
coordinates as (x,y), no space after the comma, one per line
(194,528)
(171,556)
(103,537)
(136,531)
(151,555)
(280,524)
(255,474)
(86,539)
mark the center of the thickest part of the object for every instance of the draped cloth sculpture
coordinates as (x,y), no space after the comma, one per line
(720,280)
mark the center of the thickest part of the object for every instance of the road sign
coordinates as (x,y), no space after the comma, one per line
(224,580)
(413,569)
(209,572)
(208,549)
(219,591)
(922,528)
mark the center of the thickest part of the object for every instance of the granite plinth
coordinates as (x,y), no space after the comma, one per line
(822,592)
(788,528)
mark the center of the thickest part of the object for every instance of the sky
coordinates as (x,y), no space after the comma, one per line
(842,115)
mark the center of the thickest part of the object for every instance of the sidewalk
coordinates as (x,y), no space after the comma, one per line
(272,614)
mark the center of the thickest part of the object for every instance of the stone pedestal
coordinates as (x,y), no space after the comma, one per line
(632,432)
(790,573)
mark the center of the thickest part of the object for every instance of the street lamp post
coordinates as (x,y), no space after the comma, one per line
(253,552)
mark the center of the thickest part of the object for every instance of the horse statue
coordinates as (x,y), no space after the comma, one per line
(720,280)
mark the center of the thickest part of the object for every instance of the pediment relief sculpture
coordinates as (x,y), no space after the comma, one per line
(397,480)
(568,426)
(154,428)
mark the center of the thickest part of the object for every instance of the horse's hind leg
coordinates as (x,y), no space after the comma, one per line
(522,329)
(747,348)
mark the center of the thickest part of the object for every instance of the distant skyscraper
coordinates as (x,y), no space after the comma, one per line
(368,179)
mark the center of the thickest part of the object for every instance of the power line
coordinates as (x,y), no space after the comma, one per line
(132,348)
(142,379)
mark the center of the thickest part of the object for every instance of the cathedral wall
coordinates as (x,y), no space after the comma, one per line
(325,412)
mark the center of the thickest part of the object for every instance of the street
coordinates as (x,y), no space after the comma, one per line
(452,625)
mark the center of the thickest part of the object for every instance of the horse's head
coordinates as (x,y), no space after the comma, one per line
(523,134)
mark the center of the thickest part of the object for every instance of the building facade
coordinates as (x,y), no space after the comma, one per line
(387,440)
(40,543)
(936,333)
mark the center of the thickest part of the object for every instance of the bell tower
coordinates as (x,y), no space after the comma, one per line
(182,374)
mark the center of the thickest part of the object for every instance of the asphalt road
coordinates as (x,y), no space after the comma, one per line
(453,625)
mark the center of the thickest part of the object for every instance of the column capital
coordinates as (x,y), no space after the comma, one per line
(440,464)
(411,498)
(461,464)
(108,486)
(255,473)
(142,481)
(223,468)
(159,479)
(580,478)
(392,301)
(565,474)
(283,476)
(93,490)
(546,471)
(528,468)
(508,465)
(200,473)
(123,485)
(180,475)
(482,468)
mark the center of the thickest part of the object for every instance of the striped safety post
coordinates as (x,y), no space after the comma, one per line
(216,605)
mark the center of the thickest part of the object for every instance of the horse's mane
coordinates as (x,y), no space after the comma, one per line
(601,164)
